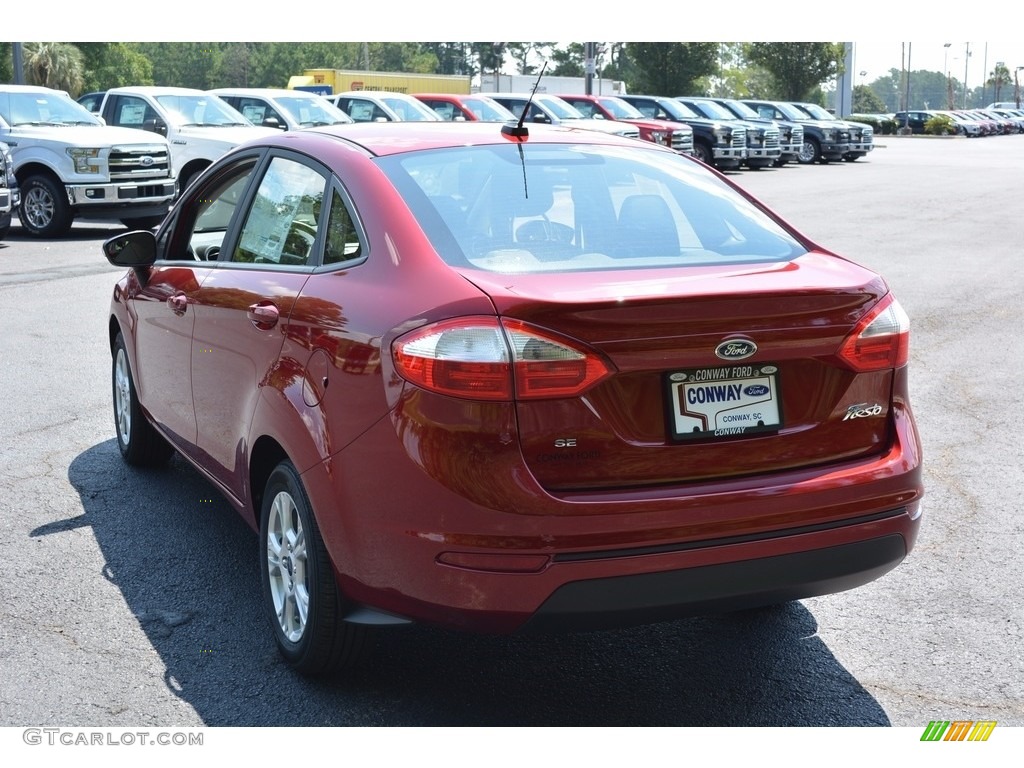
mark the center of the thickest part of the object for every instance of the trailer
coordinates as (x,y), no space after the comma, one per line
(330,81)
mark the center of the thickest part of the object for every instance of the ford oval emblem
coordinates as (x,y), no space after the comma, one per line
(756,390)
(736,349)
(145,161)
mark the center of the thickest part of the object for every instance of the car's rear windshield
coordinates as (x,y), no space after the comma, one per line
(564,208)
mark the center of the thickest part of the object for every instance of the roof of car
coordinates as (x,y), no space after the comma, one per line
(389,138)
(271,92)
(158,90)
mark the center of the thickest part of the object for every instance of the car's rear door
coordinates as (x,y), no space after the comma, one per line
(243,307)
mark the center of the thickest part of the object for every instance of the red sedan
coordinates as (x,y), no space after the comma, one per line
(508,380)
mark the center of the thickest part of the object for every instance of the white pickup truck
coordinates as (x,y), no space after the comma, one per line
(69,165)
(9,193)
(199,126)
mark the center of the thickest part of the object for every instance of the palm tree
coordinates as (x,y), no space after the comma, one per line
(55,65)
(999,77)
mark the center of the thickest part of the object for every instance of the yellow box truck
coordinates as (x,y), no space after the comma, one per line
(341,80)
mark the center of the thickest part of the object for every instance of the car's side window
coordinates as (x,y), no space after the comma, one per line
(133,112)
(257,110)
(210,215)
(281,226)
(343,238)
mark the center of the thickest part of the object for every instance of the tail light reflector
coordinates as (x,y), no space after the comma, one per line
(484,358)
(881,339)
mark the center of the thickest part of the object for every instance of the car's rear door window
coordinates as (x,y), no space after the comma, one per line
(282,223)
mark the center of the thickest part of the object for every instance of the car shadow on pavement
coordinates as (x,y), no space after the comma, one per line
(188,569)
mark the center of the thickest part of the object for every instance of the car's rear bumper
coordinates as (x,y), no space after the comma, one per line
(518,557)
(649,597)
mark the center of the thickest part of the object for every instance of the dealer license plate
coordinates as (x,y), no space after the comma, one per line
(728,401)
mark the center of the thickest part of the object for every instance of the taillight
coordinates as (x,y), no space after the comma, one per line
(881,339)
(484,358)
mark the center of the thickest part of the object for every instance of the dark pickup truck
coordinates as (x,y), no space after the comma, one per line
(717,143)
(824,140)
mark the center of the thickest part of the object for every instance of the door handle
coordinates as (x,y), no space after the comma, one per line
(264,315)
(178,303)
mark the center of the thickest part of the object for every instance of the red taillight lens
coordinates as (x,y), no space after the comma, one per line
(881,339)
(482,358)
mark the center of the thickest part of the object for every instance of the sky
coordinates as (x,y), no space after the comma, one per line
(877,58)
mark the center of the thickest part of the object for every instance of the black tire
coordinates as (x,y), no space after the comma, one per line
(44,211)
(810,153)
(139,442)
(297,578)
(186,179)
(703,152)
(143,222)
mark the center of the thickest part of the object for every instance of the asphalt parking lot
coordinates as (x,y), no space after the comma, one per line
(132,596)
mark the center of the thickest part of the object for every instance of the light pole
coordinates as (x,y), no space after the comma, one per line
(967,60)
(949,81)
(1016,86)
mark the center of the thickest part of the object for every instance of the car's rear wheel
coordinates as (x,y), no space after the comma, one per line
(299,590)
(140,444)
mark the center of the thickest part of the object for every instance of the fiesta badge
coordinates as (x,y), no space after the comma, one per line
(736,349)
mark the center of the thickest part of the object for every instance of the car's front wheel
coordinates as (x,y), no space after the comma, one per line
(139,442)
(299,590)
(703,152)
(810,152)
(45,210)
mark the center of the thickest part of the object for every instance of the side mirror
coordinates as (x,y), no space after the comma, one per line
(155,126)
(273,122)
(132,249)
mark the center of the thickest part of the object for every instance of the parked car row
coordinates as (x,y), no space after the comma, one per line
(190,129)
(966,122)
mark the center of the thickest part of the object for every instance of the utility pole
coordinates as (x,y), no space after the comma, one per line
(967,60)
(19,64)
(589,68)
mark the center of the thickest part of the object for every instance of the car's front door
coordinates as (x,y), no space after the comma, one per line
(187,251)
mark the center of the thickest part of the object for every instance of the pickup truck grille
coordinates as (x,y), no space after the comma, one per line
(682,142)
(132,163)
(739,138)
(630,133)
(771,138)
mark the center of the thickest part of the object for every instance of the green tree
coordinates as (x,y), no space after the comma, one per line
(189,65)
(6,63)
(618,65)
(866,101)
(671,68)
(111,65)
(797,69)
(272,64)
(55,65)
(568,61)
(452,58)
(489,57)
(401,57)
